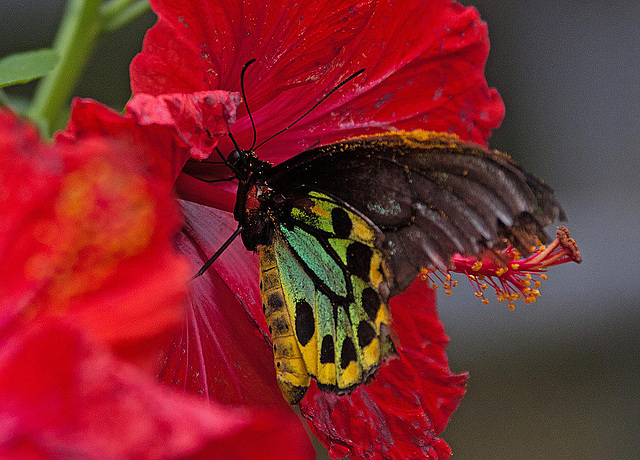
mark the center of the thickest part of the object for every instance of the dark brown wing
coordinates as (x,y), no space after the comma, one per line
(429,193)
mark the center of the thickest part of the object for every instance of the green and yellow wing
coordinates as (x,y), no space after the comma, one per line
(324,286)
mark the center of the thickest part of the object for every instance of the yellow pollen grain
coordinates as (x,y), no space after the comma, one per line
(477,265)
(485,301)
(543,276)
(537,284)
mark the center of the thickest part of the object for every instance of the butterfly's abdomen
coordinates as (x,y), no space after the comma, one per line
(324,288)
(291,371)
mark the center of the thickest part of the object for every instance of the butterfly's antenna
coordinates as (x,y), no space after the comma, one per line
(246,104)
(213,258)
(325,97)
(235,144)
(253,125)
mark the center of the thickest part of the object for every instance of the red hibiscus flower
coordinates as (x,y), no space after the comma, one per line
(91,293)
(424,69)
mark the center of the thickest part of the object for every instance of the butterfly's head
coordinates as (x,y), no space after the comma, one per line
(245,163)
(236,158)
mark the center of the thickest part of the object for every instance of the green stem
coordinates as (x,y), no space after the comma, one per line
(118,13)
(75,40)
(123,17)
(114,7)
(81,25)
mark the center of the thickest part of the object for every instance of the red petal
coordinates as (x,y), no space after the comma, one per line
(92,218)
(424,62)
(22,155)
(222,353)
(198,118)
(63,396)
(400,414)
(174,126)
(201,45)
(196,191)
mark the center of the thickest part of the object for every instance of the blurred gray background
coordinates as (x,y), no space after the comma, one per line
(558,379)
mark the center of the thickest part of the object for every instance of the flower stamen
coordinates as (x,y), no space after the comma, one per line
(511,276)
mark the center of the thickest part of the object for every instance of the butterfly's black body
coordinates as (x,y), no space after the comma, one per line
(252,187)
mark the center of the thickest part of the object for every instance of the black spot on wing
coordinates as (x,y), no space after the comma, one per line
(348,353)
(366,334)
(359,260)
(279,327)
(275,303)
(370,302)
(305,325)
(327,351)
(341,222)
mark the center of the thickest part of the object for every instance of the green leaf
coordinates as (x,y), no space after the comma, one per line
(24,67)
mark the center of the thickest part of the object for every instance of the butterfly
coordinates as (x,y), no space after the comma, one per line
(341,228)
